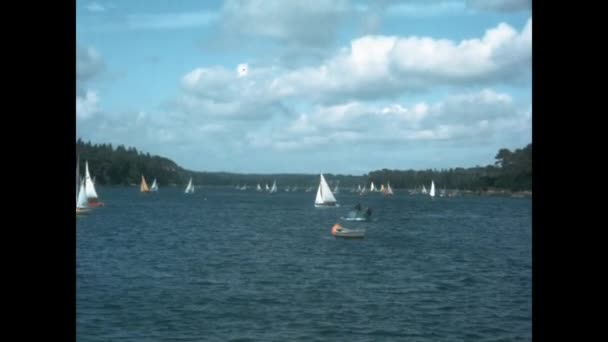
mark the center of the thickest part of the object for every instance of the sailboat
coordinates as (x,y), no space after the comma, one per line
(143,186)
(372,188)
(381,188)
(92,197)
(81,196)
(189,188)
(325,198)
(336,189)
(82,206)
(154,186)
(266,187)
(432,192)
(274,187)
(388,191)
(258,188)
(424,192)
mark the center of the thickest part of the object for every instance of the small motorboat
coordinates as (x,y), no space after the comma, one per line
(338,231)
(357,214)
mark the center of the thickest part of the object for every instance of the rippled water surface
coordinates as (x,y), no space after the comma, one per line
(228,265)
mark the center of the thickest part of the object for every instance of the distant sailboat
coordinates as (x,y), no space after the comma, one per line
(372,188)
(92,197)
(154,186)
(189,188)
(388,191)
(432,192)
(325,198)
(266,187)
(258,188)
(81,201)
(337,189)
(143,186)
(381,188)
(274,187)
(424,192)
(81,196)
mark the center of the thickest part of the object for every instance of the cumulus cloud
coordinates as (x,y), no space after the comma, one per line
(384,66)
(471,117)
(372,68)
(89,65)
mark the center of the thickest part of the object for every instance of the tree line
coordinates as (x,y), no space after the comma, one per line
(122,165)
(511,171)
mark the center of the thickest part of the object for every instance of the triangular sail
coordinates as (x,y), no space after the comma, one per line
(324,194)
(372,188)
(424,189)
(81,202)
(89,186)
(190,187)
(143,187)
(337,189)
(274,187)
(154,186)
(258,188)
(77,178)
(388,190)
(432,192)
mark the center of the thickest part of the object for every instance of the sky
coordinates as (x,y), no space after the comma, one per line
(279,86)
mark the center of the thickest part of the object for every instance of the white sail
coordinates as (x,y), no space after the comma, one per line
(381,187)
(337,189)
(358,187)
(89,186)
(266,187)
(372,188)
(190,187)
(424,189)
(388,190)
(432,192)
(324,194)
(81,202)
(274,187)
(154,186)
(77,178)
(258,188)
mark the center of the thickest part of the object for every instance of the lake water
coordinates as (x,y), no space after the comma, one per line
(229,265)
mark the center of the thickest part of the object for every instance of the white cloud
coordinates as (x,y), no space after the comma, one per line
(383,66)
(472,118)
(86,106)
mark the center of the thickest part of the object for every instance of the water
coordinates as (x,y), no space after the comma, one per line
(229,265)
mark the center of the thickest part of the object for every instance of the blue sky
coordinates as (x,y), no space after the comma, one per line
(332,86)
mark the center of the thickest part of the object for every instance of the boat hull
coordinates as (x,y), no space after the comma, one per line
(95,204)
(326,205)
(80,211)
